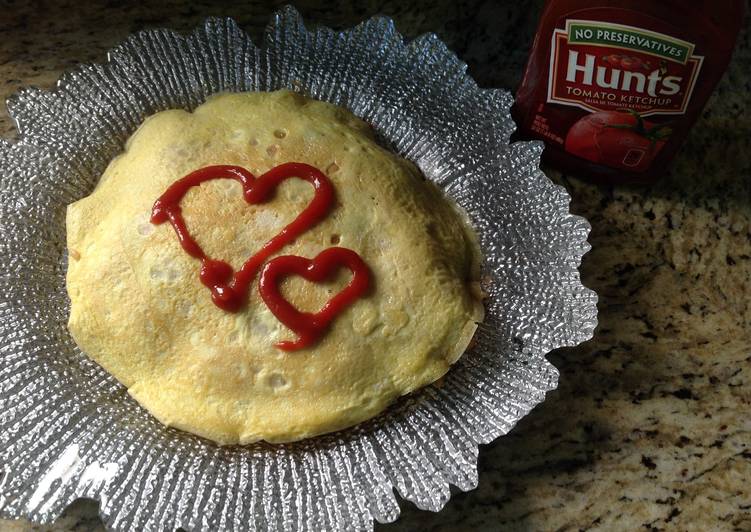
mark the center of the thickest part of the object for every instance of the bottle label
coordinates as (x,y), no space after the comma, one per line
(615,92)
(600,66)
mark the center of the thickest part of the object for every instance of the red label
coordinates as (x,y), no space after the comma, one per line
(599,66)
(619,79)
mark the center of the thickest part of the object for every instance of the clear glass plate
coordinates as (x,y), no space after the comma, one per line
(68,429)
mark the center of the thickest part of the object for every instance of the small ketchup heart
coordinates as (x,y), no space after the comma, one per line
(229,289)
(311,326)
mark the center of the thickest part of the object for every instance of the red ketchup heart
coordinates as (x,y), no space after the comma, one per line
(308,326)
(229,289)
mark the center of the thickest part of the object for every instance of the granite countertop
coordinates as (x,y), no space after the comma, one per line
(650,426)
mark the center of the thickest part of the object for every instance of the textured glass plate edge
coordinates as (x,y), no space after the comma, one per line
(68,430)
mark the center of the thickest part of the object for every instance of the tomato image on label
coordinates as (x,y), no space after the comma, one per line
(619,139)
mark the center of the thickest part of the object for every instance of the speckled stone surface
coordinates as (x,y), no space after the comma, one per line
(650,427)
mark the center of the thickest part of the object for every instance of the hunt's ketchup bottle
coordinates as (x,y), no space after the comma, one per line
(613,86)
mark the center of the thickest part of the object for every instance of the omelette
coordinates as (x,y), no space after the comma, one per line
(139,307)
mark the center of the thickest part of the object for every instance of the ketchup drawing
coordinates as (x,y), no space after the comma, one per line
(613,86)
(229,288)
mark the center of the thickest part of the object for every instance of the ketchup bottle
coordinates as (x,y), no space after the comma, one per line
(613,86)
